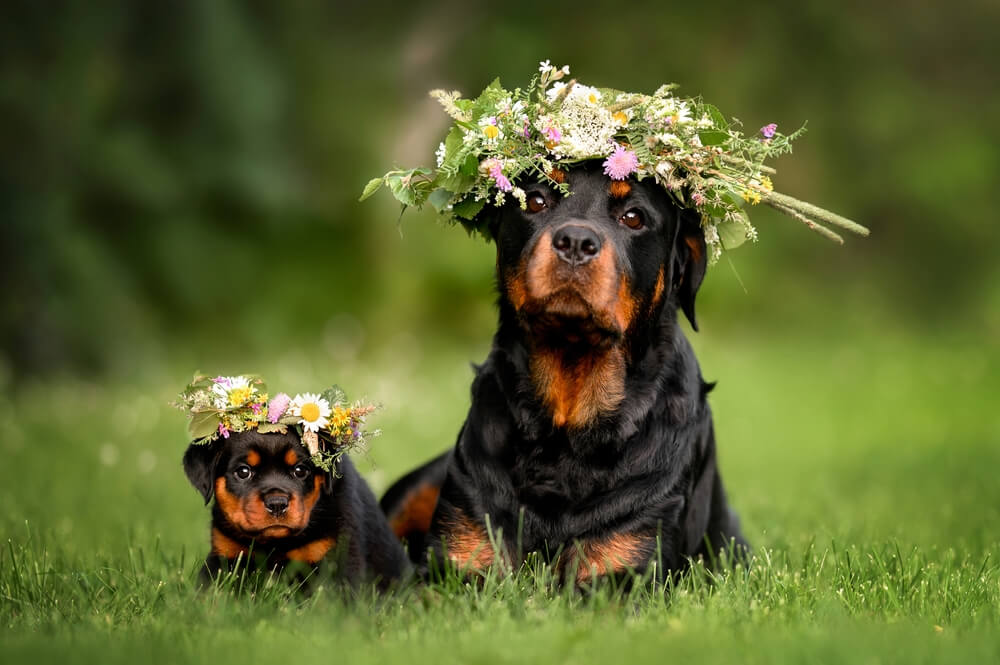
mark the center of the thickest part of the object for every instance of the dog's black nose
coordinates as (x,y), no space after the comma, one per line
(576,244)
(276,504)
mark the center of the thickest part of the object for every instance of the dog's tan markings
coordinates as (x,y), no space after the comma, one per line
(557,175)
(310,499)
(619,189)
(692,243)
(577,392)
(517,293)
(223,545)
(300,508)
(658,289)
(468,545)
(625,305)
(608,556)
(291,457)
(232,506)
(416,512)
(253,457)
(311,552)
(603,281)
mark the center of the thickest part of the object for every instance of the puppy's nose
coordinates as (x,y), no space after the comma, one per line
(576,244)
(276,504)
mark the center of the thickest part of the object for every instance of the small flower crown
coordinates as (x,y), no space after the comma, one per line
(326,423)
(686,145)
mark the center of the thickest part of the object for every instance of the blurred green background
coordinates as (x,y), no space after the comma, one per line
(178,191)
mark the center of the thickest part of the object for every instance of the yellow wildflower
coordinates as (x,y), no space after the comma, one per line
(491,131)
(339,418)
(751,197)
(240,396)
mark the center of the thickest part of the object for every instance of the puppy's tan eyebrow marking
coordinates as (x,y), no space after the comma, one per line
(619,189)
(253,458)
(291,459)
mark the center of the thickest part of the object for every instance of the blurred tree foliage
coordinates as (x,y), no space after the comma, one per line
(190,169)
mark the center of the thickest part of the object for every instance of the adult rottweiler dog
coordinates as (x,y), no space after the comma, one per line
(273,506)
(589,439)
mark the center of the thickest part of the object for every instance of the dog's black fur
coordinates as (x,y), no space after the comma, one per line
(589,439)
(273,506)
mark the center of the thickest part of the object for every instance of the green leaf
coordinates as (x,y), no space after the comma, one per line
(409,187)
(440,198)
(715,114)
(270,428)
(204,423)
(733,234)
(468,208)
(487,101)
(453,142)
(334,395)
(712,137)
(470,167)
(457,184)
(373,186)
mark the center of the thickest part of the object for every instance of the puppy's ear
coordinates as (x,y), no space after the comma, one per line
(328,480)
(690,262)
(200,462)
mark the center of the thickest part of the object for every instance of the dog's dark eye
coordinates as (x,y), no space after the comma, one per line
(300,471)
(633,219)
(536,202)
(243,472)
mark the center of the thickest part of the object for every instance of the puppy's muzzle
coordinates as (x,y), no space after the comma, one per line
(576,244)
(276,503)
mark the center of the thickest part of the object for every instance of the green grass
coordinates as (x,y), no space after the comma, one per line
(864,470)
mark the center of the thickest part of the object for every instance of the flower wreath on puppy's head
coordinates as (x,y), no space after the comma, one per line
(686,145)
(327,424)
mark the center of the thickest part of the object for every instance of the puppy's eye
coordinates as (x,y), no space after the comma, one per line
(536,202)
(243,472)
(300,471)
(633,219)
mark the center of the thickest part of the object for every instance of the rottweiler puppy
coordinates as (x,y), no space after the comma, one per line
(589,439)
(273,506)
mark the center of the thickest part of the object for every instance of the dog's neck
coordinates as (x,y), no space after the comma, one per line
(548,389)
(578,387)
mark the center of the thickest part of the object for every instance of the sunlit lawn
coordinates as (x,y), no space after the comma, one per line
(864,468)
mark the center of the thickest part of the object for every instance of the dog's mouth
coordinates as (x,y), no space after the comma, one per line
(274,532)
(565,317)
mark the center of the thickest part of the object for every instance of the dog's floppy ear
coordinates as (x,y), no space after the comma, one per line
(690,262)
(200,462)
(328,479)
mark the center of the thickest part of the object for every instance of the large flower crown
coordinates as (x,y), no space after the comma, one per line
(503,138)
(328,425)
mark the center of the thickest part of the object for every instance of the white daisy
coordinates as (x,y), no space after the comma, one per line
(232,391)
(313,411)
(585,93)
(553,92)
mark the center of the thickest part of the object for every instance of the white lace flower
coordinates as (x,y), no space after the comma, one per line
(587,129)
